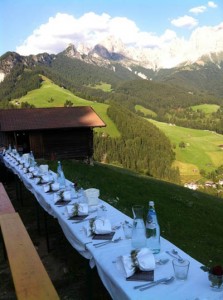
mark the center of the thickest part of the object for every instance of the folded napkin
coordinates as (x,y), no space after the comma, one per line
(35,173)
(29,175)
(78,209)
(37,180)
(26,165)
(24,170)
(46,188)
(25,156)
(55,186)
(64,195)
(98,226)
(45,178)
(31,169)
(142,260)
(44,168)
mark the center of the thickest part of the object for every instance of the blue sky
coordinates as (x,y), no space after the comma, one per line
(31,26)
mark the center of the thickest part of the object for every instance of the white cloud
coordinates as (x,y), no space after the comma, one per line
(185,21)
(212,4)
(198,9)
(90,29)
(63,29)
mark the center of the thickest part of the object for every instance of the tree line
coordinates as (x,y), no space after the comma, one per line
(142,147)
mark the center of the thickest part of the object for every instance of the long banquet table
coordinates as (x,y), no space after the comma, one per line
(196,287)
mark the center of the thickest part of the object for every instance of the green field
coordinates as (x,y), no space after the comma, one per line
(51,95)
(145,111)
(206,108)
(106,87)
(202,149)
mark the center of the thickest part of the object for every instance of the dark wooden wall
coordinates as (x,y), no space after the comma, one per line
(60,143)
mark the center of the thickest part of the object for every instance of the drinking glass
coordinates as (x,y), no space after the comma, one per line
(139,229)
(181,268)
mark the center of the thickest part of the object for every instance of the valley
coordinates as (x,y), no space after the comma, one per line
(201,149)
(168,125)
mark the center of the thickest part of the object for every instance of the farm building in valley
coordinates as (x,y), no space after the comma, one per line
(51,133)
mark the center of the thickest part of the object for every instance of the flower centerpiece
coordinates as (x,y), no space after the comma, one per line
(215,276)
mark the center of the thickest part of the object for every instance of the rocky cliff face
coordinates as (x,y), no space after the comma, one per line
(107,54)
(10,59)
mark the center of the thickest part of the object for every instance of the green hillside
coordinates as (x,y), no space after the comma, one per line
(206,108)
(201,149)
(145,111)
(51,95)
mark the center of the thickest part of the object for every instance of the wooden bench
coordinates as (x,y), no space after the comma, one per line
(30,278)
(6,206)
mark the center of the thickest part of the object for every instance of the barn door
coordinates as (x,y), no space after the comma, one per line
(36,144)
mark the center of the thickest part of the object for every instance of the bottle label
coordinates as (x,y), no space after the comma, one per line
(151,225)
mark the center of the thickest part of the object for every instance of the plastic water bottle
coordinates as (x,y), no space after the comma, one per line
(60,175)
(152,229)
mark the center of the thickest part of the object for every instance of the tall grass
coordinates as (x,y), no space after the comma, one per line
(191,220)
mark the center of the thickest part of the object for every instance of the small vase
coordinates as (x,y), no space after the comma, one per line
(216,282)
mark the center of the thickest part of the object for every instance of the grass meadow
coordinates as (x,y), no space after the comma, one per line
(145,111)
(206,108)
(201,150)
(51,95)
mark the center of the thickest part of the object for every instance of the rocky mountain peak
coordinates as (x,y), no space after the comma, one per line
(100,51)
(8,61)
(72,52)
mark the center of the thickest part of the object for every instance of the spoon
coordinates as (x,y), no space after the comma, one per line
(167,280)
(175,252)
(116,227)
(175,255)
(162,261)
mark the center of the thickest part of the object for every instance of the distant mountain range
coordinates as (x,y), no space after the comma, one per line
(205,73)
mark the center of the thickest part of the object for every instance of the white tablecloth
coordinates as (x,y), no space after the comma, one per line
(196,287)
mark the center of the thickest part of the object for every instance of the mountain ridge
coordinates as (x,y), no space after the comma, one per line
(208,68)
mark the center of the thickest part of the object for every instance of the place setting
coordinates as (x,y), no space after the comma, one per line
(76,211)
(61,198)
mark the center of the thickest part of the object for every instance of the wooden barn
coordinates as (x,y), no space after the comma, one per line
(51,133)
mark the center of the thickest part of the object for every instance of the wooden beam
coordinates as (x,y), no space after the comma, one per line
(30,278)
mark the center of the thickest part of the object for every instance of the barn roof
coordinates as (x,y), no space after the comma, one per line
(48,118)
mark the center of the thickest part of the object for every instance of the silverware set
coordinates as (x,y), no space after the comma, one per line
(145,286)
(97,245)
